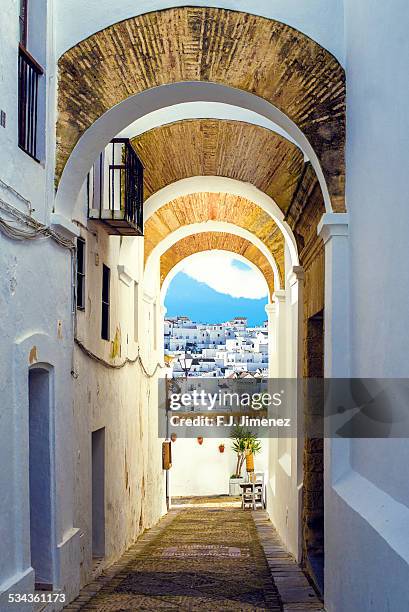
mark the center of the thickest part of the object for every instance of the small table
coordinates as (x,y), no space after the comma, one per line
(248,495)
(246,486)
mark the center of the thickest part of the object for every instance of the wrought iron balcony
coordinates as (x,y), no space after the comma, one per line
(115,194)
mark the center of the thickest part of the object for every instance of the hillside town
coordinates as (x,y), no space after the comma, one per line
(224,350)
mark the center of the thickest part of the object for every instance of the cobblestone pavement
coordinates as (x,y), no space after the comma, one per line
(199,557)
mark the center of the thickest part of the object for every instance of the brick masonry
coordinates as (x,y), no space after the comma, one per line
(202,207)
(215,147)
(258,55)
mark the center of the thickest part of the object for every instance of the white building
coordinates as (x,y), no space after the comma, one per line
(216,348)
(82,305)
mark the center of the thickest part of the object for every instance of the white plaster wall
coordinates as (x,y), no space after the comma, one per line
(36,319)
(35,302)
(367,511)
(203,470)
(285,454)
(283,502)
(123,401)
(18,170)
(321,20)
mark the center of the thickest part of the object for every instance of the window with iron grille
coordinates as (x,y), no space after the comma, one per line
(106,277)
(29,75)
(80,273)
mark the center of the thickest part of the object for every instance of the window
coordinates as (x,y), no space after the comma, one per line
(106,274)
(29,74)
(80,273)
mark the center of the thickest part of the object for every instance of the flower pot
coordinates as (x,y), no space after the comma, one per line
(234,486)
(221,448)
(200,439)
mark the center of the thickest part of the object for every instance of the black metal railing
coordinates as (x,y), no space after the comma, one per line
(126,182)
(29,73)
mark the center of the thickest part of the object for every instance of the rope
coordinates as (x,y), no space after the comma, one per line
(118,366)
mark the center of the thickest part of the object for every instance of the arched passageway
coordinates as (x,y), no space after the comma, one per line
(211,241)
(205,208)
(134,134)
(210,184)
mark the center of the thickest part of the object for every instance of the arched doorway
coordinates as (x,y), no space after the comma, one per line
(41,470)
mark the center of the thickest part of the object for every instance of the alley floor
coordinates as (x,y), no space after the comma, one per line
(203,555)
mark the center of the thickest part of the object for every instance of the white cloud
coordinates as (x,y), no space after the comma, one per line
(217,270)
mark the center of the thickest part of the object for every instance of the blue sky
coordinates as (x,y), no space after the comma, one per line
(214,287)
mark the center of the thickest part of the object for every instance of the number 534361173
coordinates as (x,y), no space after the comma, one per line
(36,597)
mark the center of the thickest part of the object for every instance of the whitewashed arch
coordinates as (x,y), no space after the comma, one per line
(151,273)
(201,110)
(172,273)
(221,184)
(113,121)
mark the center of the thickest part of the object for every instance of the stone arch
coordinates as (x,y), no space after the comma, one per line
(221,207)
(294,77)
(219,184)
(216,241)
(152,265)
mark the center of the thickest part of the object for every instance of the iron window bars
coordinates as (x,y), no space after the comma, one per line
(29,73)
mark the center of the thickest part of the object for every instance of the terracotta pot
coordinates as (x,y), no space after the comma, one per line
(221,448)
(173,437)
(200,439)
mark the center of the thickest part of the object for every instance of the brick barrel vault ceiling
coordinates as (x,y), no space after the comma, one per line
(251,53)
(209,241)
(212,147)
(202,207)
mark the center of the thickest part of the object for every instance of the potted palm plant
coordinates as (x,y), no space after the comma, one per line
(239,436)
(245,445)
